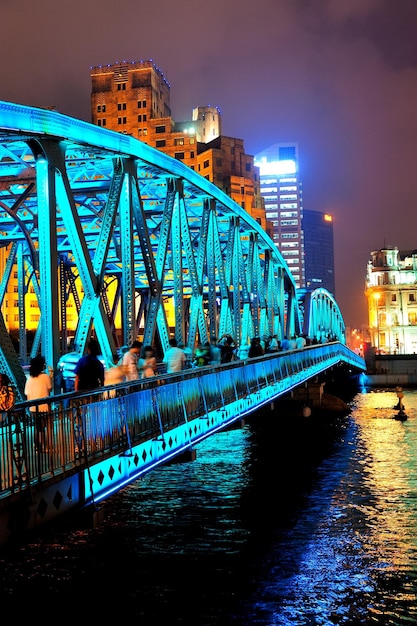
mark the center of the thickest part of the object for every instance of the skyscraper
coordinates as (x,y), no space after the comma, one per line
(318,250)
(281,189)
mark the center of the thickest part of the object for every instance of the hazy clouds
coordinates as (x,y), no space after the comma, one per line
(337,76)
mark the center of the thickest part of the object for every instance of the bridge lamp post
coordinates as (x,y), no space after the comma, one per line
(377,297)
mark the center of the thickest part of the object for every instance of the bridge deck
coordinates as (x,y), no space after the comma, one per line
(106,439)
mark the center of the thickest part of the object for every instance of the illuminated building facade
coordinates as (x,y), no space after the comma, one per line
(281,189)
(125,97)
(318,250)
(134,98)
(391,291)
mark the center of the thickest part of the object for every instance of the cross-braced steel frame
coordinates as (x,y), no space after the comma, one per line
(132,238)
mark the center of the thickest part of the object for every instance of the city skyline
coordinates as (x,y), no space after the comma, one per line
(340,79)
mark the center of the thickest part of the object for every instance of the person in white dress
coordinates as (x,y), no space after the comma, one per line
(39,385)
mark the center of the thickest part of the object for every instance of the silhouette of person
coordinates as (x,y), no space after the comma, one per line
(89,371)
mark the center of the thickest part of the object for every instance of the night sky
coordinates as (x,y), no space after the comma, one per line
(337,76)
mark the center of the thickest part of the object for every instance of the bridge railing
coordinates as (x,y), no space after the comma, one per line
(86,428)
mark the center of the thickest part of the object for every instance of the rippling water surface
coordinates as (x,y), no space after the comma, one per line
(284,522)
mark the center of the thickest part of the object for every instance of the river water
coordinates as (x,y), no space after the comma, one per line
(285,522)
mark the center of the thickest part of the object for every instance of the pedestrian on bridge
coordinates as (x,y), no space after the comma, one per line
(215,353)
(202,355)
(39,385)
(148,365)
(114,375)
(274,344)
(174,357)
(227,346)
(130,361)
(255,347)
(300,342)
(89,371)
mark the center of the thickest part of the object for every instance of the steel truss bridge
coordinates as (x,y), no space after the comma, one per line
(138,245)
(100,441)
(134,243)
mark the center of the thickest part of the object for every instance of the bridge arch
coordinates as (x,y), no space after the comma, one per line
(127,241)
(322,316)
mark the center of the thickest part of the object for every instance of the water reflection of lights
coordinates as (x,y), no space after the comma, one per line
(388,449)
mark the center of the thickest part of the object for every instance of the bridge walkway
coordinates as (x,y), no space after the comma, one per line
(106,439)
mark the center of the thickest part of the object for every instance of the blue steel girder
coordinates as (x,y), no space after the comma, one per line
(195,295)
(126,253)
(47,163)
(92,312)
(21,293)
(148,259)
(324,316)
(159,221)
(252,279)
(200,266)
(212,307)
(238,280)
(28,281)
(270,295)
(219,262)
(173,210)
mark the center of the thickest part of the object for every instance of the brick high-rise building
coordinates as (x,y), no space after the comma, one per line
(134,98)
(126,96)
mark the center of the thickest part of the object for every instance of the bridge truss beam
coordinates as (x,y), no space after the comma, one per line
(131,241)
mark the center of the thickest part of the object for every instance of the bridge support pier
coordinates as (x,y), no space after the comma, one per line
(188,455)
(310,394)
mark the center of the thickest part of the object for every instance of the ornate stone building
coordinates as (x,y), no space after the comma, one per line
(391,291)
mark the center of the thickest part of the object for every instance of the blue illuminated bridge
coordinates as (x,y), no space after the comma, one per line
(102,235)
